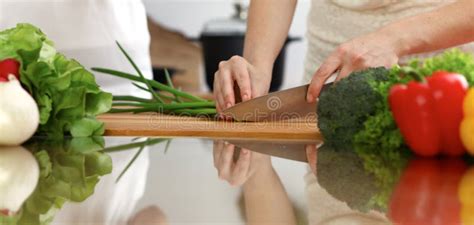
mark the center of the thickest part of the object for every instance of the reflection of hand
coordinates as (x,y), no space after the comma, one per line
(312,155)
(238,171)
(149,215)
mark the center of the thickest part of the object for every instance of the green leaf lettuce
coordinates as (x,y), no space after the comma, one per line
(67,95)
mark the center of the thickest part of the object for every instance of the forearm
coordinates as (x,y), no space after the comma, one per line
(446,27)
(268,25)
(266,201)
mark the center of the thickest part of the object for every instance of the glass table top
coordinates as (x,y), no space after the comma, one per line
(114,180)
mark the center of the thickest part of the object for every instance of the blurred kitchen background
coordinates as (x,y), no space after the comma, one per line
(189,37)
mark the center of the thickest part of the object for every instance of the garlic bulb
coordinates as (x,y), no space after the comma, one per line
(19,174)
(19,116)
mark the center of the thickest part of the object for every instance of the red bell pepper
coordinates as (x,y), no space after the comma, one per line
(429,113)
(427,193)
(7,67)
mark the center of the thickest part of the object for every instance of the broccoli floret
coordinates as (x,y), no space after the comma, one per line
(345,106)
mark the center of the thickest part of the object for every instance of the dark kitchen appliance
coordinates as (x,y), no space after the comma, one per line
(221,39)
(159,74)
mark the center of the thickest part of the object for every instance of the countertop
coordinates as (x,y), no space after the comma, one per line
(118,180)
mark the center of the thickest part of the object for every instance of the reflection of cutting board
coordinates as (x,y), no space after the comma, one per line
(154,124)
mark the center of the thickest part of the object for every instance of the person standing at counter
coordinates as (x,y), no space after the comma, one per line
(343,36)
(86,30)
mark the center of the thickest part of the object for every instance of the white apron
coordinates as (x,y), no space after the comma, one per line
(86,30)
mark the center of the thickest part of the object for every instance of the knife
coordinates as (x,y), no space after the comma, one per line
(282,105)
(293,150)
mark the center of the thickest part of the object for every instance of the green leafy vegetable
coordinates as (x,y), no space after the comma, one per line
(452,61)
(344,107)
(67,94)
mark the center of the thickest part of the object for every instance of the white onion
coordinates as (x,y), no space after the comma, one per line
(19,116)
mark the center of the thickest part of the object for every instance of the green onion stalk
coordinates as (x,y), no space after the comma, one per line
(165,97)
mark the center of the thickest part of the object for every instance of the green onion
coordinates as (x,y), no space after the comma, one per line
(170,106)
(130,98)
(138,71)
(170,84)
(139,152)
(148,142)
(153,83)
(177,102)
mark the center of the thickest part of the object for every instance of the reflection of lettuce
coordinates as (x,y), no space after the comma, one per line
(386,167)
(69,171)
(362,179)
(66,93)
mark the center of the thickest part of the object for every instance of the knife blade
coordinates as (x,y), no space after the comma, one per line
(293,150)
(282,105)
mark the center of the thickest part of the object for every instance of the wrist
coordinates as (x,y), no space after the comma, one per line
(403,42)
(263,172)
(261,64)
(395,40)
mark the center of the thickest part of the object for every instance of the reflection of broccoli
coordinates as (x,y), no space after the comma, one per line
(342,175)
(344,107)
(364,180)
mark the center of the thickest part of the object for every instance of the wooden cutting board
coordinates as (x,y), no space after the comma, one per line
(155,124)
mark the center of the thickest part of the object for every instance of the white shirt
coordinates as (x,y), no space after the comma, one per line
(86,30)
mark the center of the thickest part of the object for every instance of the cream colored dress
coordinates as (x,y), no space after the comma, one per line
(333,22)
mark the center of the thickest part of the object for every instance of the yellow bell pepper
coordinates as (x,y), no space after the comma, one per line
(467,125)
(466,188)
(466,197)
(467,217)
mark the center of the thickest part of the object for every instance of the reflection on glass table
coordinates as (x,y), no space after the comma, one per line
(19,175)
(53,173)
(202,181)
(266,200)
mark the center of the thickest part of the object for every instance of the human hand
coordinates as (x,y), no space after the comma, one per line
(312,156)
(149,215)
(373,50)
(251,80)
(237,171)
